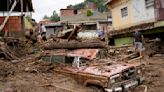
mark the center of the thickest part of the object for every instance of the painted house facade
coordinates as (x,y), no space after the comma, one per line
(146,16)
(126,13)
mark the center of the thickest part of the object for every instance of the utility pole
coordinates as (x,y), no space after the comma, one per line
(22,15)
(21,2)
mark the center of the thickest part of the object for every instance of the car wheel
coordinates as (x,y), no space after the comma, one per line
(96,89)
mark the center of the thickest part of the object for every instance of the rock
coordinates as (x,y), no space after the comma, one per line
(111,51)
(30,70)
(117,52)
(27,69)
(9,90)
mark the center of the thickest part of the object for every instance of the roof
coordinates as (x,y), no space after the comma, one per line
(67,9)
(84,53)
(80,18)
(107,2)
(5,5)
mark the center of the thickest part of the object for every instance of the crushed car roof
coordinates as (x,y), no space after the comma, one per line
(84,53)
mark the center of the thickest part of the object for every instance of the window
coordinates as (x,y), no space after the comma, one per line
(149,3)
(124,12)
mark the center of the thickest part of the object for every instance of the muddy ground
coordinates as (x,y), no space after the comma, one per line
(39,76)
(154,74)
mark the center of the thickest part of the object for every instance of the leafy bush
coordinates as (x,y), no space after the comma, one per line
(89,13)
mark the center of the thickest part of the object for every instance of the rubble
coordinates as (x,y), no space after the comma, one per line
(8,53)
(44,71)
(155,46)
(86,63)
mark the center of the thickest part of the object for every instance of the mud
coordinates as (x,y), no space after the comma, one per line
(39,76)
(154,74)
(31,76)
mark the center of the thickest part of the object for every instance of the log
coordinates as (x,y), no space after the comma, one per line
(132,60)
(74,45)
(73,34)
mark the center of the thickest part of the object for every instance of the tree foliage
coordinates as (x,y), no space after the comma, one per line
(99,3)
(70,7)
(45,17)
(54,17)
(79,6)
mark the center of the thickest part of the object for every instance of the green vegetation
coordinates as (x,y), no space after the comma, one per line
(77,6)
(89,13)
(99,3)
(54,17)
(45,17)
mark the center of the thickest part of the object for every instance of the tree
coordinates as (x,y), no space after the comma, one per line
(45,17)
(79,6)
(55,17)
(70,7)
(100,4)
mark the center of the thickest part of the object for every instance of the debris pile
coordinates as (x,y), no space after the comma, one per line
(155,46)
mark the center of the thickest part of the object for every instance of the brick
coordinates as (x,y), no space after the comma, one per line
(67,12)
(13,25)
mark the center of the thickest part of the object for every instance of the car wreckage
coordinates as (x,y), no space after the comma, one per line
(119,77)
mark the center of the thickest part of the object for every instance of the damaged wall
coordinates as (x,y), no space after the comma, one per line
(142,12)
(13,26)
(159,10)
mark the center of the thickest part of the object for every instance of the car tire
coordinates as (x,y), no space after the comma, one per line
(96,89)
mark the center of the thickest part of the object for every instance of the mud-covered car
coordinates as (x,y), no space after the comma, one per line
(108,77)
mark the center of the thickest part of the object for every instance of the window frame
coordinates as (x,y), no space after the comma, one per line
(124,12)
(149,3)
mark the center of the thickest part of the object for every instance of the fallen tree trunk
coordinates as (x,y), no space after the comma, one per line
(74,45)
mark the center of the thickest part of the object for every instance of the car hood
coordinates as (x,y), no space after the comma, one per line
(110,70)
(106,71)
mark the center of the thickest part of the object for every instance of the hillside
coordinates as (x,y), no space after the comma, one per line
(82,5)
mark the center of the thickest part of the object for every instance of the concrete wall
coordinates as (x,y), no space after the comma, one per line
(140,13)
(123,41)
(118,20)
